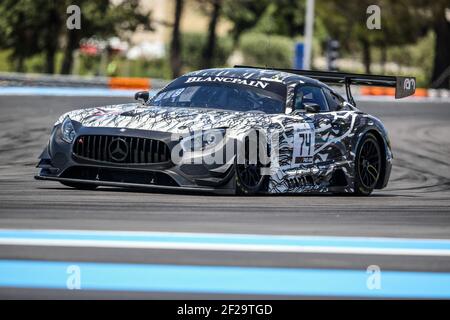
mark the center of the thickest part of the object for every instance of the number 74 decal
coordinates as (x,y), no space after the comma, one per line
(304,142)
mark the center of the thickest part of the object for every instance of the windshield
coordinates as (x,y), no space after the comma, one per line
(235,95)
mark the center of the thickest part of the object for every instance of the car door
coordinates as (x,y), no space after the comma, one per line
(306,136)
(318,136)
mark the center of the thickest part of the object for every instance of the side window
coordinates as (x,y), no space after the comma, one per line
(334,101)
(310,94)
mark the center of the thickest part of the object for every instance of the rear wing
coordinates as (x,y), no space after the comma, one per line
(404,86)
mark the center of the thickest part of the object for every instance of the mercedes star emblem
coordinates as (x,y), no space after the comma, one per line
(118,149)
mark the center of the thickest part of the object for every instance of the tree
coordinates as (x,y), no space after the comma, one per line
(91,24)
(213,9)
(346,21)
(243,15)
(284,18)
(50,30)
(19,30)
(103,19)
(30,27)
(441,26)
(175,46)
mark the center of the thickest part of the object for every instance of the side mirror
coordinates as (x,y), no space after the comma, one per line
(311,107)
(142,96)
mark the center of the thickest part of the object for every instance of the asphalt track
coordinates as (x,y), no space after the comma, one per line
(415,205)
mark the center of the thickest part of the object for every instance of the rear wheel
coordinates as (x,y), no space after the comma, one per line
(80,186)
(367,165)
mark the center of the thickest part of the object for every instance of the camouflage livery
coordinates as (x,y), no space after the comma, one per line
(327,165)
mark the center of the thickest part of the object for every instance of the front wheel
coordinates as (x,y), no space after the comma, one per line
(249,180)
(367,165)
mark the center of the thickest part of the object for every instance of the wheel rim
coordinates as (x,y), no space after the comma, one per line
(249,175)
(369,164)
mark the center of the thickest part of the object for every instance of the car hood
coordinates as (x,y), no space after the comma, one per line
(174,120)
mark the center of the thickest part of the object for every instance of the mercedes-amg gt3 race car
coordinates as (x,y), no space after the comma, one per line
(241,130)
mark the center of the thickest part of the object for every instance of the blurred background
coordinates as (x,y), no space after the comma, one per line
(165,38)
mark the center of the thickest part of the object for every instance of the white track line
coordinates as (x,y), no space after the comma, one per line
(223,247)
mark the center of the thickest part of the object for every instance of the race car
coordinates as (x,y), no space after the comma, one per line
(241,130)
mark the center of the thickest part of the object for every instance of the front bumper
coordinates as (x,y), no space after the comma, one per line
(58,162)
(135,185)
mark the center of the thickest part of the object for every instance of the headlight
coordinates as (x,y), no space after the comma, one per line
(201,141)
(67,130)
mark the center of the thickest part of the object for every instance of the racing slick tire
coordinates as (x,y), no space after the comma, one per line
(80,186)
(368,164)
(249,179)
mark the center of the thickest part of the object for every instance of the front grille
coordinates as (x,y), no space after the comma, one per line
(118,149)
